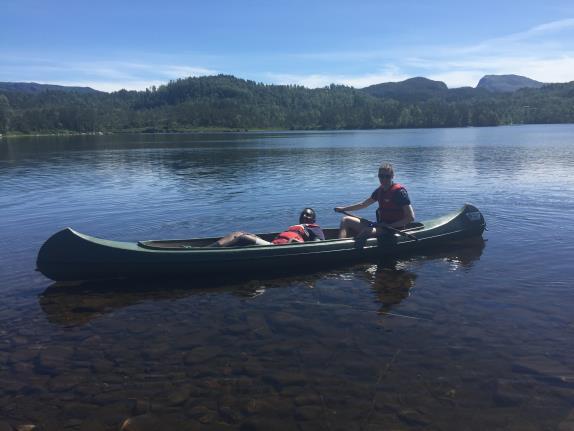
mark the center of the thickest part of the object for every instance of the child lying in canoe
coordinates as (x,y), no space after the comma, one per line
(306,230)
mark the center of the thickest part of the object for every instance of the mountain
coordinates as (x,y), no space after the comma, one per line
(411,90)
(34,88)
(507,83)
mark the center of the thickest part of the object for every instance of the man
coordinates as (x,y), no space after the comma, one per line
(394,210)
(307,230)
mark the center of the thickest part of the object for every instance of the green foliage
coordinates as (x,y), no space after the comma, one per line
(226,102)
(5,113)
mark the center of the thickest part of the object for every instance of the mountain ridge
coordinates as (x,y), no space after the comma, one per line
(507,83)
(34,88)
(414,89)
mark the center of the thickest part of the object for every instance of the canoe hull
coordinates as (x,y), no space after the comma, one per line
(69,255)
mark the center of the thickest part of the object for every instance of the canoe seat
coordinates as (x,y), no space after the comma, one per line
(175,244)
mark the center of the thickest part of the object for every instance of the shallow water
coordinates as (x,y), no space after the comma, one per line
(475,337)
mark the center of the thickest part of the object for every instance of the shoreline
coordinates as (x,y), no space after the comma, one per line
(149,131)
(140,132)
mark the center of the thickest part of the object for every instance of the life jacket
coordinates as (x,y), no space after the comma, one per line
(297,233)
(389,211)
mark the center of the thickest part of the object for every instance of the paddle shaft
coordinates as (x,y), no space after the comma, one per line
(391,229)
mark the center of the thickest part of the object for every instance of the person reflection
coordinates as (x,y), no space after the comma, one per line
(392,284)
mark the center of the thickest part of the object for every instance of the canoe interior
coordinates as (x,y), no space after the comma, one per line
(186,244)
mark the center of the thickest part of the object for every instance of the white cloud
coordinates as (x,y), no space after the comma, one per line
(108,86)
(459,78)
(100,75)
(322,80)
(176,71)
(542,52)
(548,27)
(548,70)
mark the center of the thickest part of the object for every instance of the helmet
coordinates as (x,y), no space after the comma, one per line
(307,216)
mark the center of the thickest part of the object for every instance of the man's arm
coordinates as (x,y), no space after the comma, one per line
(359,206)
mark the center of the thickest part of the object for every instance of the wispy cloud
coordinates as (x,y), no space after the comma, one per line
(322,80)
(107,86)
(545,28)
(100,75)
(543,52)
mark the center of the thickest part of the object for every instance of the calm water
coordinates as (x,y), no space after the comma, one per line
(474,338)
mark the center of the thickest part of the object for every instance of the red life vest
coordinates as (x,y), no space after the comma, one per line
(389,211)
(297,233)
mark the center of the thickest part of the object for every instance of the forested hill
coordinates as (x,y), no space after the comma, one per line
(32,87)
(411,90)
(226,102)
(507,83)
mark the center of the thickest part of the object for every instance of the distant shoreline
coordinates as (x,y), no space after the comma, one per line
(228,130)
(138,132)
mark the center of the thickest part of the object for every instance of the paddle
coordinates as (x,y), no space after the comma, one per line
(373,224)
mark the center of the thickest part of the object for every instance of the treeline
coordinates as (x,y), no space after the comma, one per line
(226,102)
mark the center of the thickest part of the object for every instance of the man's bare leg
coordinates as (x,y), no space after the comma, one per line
(350,226)
(239,237)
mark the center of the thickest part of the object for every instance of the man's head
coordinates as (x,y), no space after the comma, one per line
(386,173)
(307,216)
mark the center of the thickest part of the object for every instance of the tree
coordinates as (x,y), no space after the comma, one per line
(5,114)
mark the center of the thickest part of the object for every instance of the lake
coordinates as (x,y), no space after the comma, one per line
(475,337)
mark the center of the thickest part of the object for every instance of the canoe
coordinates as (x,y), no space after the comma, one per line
(72,256)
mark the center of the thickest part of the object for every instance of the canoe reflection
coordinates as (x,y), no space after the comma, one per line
(79,304)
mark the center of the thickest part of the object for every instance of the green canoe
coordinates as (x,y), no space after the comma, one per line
(69,255)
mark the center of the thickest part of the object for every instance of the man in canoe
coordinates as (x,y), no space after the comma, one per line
(306,230)
(394,210)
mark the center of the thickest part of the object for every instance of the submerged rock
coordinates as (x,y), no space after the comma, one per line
(413,418)
(568,423)
(544,368)
(28,427)
(138,407)
(307,399)
(179,396)
(202,354)
(308,413)
(281,379)
(508,394)
(145,422)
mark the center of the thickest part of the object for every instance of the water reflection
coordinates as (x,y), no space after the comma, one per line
(392,285)
(76,305)
(391,282)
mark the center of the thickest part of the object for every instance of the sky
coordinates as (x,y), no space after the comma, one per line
(110,45)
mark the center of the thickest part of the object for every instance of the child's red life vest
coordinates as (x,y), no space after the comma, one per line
(297,233)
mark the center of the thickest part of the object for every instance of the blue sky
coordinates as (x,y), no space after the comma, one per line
(109,45)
